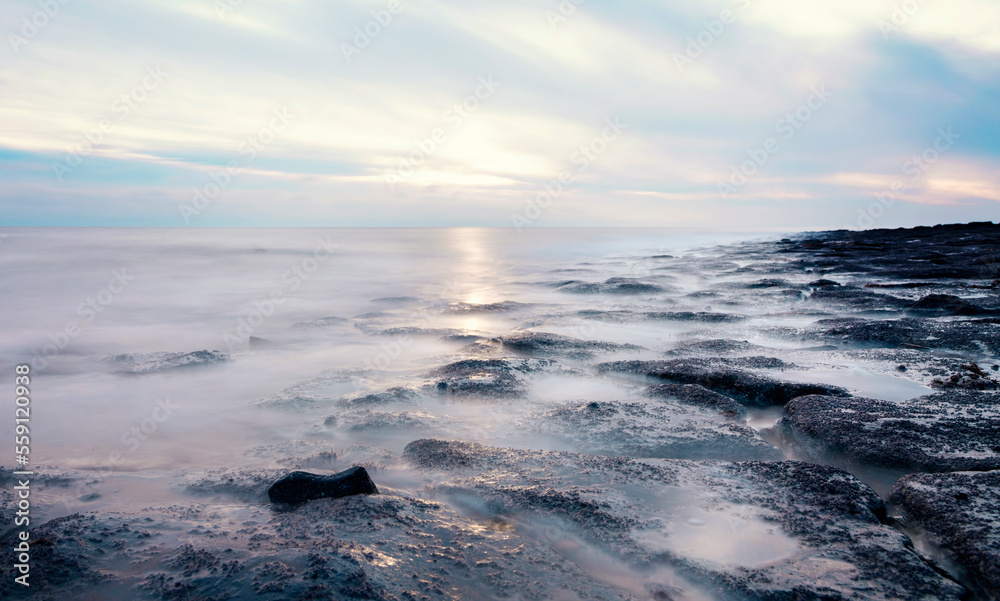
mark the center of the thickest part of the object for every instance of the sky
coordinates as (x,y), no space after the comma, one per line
(732,114)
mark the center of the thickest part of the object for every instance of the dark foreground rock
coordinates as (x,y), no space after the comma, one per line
(960,515)
(299,487)
(943,432)
(360,548)
(752,389)
(779,531)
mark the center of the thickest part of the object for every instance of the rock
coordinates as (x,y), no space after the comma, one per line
(324,322)
(633,316)
(699,396)
(611,286)
(937,433)
(137,363)
(542,343)
(940,305)
(751,389)
(823,283)
(717,347)
(959,514)
(503,307)
(972,377)
(299,487)
(753,530)
(664,429)
(396,395)
(857,299)
(942,252)
(486,377)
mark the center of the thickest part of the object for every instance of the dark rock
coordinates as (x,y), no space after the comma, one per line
(942,252)
(324,322)
(717,347)
(972,377)
(299,487)
(633,316)
(137,363)
(486,377)
(503,307)
(940,305)
(543,343)
(823,283)
(397,395)
(937,433)
(611,286)
(699,396)
(959,514)
(751,389)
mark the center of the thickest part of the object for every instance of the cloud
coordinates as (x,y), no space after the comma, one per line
(698,96)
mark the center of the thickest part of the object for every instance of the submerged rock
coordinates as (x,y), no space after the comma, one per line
(541,343)
(486,377)
(938,433)
(749,388)
(661,429)
(753,530)
(138,363)
(959,514)
(299,487)
(611,286)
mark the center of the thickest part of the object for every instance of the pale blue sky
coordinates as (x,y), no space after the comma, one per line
(321,126)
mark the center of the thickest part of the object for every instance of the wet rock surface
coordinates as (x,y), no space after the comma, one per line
(752,389)
(490,378)
(936,433)
(786,530)
(662,429)
(959,513)
(542,343)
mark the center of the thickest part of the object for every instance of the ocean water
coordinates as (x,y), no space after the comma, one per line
(75,298)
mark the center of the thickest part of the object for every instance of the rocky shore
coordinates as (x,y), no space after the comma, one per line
(823,424)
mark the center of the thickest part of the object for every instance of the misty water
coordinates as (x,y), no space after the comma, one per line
(339,314)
